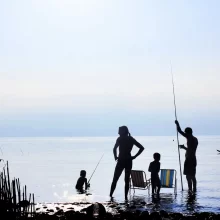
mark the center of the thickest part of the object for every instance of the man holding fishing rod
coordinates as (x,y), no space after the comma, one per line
(190,161)
(124,160)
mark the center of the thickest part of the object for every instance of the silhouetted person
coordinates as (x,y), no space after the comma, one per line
(124,160)
(154,168)
(82,181)
(190,161)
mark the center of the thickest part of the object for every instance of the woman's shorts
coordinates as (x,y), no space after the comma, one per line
(124,164)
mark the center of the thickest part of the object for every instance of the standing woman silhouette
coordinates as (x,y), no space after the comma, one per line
(124,160)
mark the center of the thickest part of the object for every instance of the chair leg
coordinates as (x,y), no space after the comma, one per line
(175,189)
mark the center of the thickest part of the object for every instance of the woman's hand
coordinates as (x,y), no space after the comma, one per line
(116,158)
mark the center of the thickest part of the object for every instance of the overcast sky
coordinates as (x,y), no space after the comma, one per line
(85,67)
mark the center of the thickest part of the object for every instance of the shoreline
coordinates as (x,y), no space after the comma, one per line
(111,210)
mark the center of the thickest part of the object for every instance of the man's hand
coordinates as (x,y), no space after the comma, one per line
(177,123)
(88,185)
(182,146)
(133,157)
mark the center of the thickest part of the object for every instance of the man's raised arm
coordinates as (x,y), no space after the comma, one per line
(179,129)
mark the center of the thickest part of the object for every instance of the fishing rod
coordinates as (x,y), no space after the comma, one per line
(177,134)
(95,168)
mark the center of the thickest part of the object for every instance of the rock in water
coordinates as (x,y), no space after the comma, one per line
(97,209)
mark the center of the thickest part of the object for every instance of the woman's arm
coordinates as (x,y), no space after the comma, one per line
(141,148)
(115,149)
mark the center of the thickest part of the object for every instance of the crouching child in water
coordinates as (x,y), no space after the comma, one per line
(154,168)
(82,181)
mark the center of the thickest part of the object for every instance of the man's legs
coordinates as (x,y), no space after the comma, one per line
(189,181)
(194,183)
(127,180)
(117,174)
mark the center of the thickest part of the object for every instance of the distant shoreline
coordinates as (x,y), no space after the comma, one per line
(140,136)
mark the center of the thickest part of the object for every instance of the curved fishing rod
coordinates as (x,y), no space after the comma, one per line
(177,134)
(95,168)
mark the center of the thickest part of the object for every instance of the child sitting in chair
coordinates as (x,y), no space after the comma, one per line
(81,181)
(154,168)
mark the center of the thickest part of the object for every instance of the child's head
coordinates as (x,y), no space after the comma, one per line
(123,131)
(188,131)
(157,156)
(83,173)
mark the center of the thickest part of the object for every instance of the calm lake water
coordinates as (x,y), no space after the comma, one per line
(50,168)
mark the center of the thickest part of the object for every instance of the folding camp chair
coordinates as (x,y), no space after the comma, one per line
(139,180)
(168,179)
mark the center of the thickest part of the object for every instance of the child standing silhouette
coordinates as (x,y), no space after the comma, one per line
(154,168)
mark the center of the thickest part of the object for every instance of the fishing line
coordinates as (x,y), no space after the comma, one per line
(95,168)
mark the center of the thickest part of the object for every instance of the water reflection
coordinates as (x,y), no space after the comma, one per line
(166,201)
(170,202)
(191,201)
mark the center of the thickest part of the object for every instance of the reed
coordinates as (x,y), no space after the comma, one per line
(13,201)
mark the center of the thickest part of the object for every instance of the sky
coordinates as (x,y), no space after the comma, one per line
(86,67)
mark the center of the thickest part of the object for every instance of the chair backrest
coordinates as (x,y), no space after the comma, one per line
(166,178)
(137,177)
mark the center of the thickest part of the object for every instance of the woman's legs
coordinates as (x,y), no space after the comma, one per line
(127,180)
(117,174)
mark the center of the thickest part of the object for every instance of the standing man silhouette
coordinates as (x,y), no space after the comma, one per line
(190,161)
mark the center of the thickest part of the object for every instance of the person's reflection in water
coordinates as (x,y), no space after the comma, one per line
(166,202)
(156,203)
(191,202)
(124,161)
